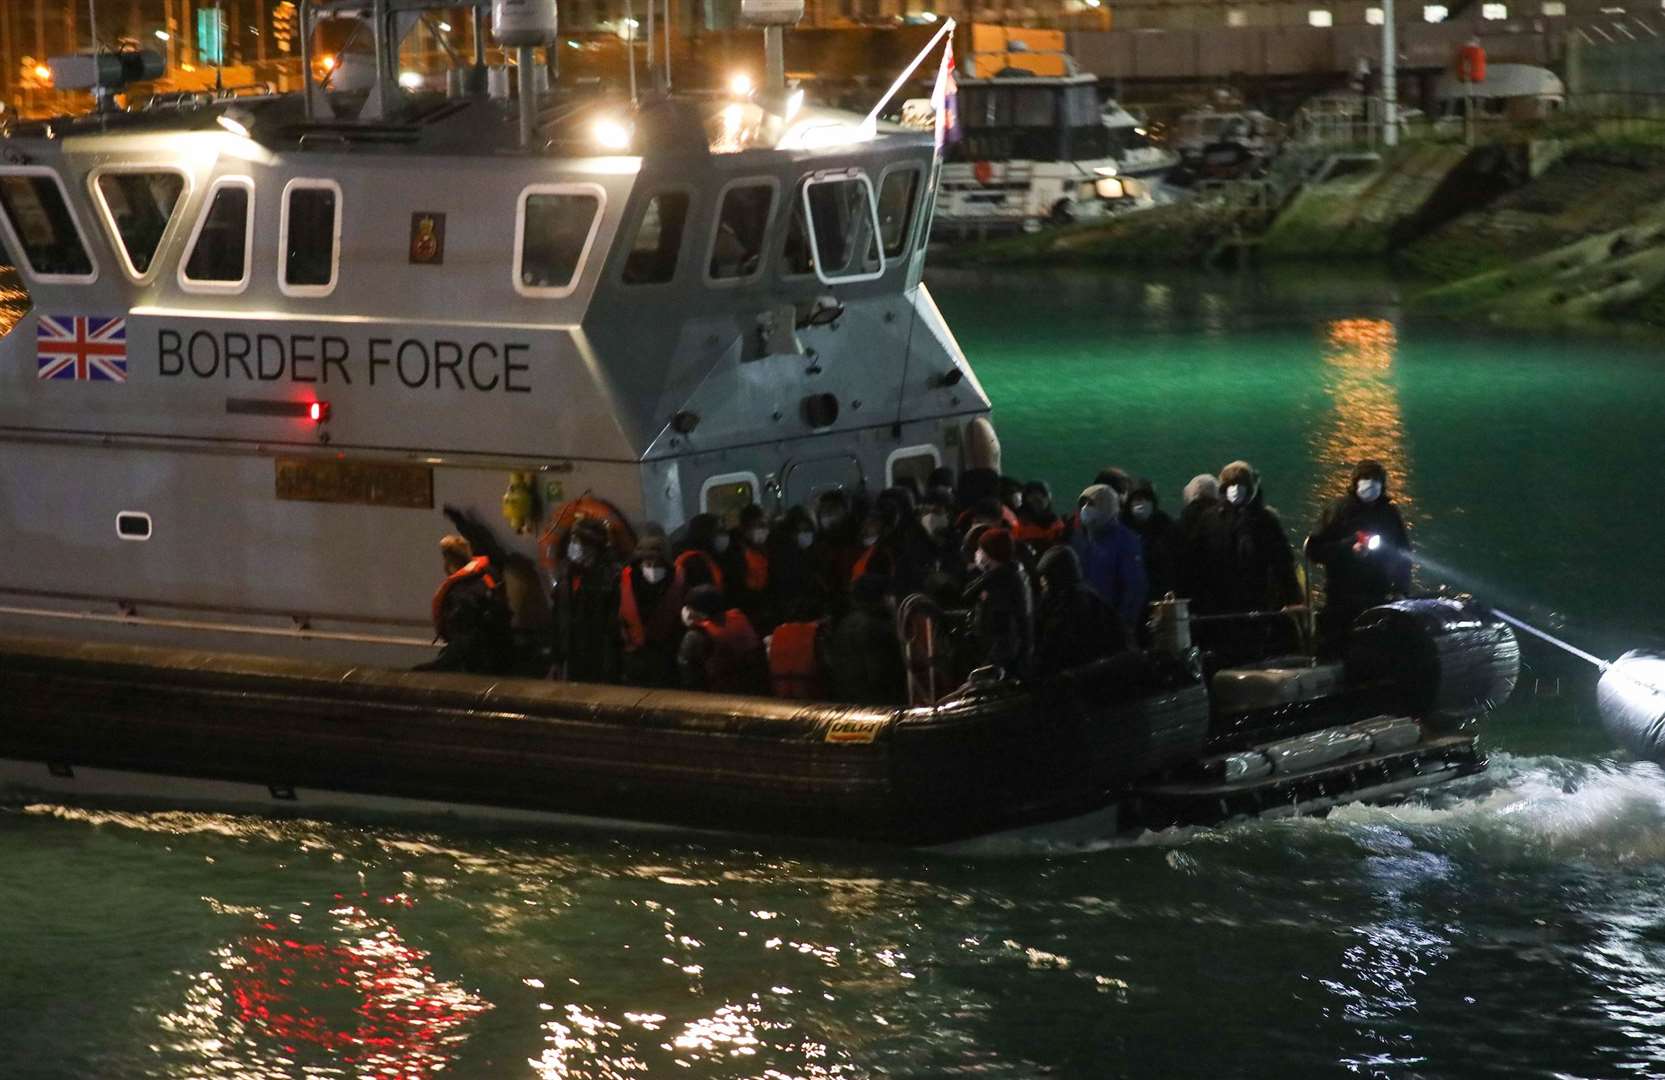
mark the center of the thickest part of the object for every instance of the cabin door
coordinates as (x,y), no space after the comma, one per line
(802,481)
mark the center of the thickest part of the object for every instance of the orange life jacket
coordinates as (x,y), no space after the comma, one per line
(864,563)
(1028,532)
(733,664)
(757,570)
(478,566)
(631,623)
(682,561)
(795,663)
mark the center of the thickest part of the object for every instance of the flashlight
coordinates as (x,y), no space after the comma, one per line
(1374,542)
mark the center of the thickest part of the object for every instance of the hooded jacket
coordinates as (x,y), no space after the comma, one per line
(1160,539)
(1112,555)
(1245,562)
(1355,580)
(1073,624)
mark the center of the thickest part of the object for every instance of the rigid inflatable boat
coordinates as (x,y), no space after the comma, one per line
(1139,740)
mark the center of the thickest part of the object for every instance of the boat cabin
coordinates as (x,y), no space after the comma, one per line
(270,338)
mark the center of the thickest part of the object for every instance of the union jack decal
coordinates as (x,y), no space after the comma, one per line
(81,347)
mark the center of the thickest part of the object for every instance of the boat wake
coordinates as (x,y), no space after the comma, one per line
(1527,808)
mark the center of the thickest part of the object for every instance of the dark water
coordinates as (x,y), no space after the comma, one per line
(1511,926)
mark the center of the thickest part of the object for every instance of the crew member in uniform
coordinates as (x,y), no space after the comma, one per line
(1365,549)
(470,614)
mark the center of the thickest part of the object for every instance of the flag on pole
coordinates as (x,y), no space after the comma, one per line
(945,98)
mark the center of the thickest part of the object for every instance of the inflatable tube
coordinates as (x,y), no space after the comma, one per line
(1631,697)
(1449,661)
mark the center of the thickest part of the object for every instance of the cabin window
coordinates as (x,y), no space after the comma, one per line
(653,254)
(558,224)
(912,463)
(138,206)
(40,218)
(843,229)
(727,495)
(897,195)
(221,245)
(742,224)
(311,231)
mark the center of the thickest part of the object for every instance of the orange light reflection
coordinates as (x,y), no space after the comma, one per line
(1364,419)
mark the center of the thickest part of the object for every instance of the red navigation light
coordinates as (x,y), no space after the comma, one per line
(318,411)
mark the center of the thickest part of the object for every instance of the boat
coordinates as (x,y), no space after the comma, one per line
(1132,743)
(1137,154)
(271,339)
(1035,151)
(1224,144)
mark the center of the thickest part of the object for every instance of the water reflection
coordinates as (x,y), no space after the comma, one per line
(356,996)
(14,301)
(1364,420)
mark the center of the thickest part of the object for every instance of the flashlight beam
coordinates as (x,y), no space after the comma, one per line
(1518,624)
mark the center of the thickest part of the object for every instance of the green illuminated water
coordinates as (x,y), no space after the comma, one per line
(1512,926)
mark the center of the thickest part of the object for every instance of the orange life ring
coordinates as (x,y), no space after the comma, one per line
(552,543)
(1471,64)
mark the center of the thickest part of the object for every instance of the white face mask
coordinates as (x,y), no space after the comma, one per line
(758,537)
(1091,518)
(1369,490)
(1141,510)
(1015,500)
(654,574)
(805,539)
(689,616)
(1237,494)
(829,520)
(982,561)
(868,540)
(577,552)
(721,543)
(934,523)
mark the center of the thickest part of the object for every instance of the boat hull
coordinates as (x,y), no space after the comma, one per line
(103,724)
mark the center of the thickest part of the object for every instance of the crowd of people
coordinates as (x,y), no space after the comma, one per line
(803,605)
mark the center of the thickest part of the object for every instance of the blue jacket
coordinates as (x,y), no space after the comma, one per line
(1113,563)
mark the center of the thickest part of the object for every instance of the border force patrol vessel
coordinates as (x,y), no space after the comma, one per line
(268,337)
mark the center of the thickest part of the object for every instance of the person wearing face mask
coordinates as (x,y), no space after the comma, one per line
(936,526)
(699,556)
(585,604)
(746,568)
(1159,540)
(837,542)
(1112,556)
(793,575)
(1359,574)
(1073,624)
(1247,565)
(650,616)
(720,652)
(877,558)
(1003,608)
(1038,526)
